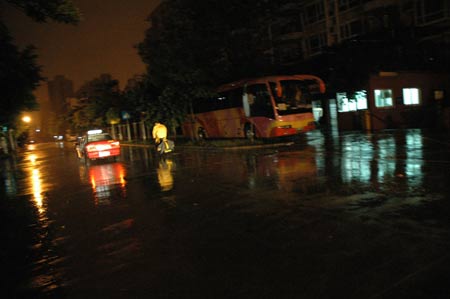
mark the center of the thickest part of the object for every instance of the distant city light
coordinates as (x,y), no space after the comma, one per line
(26,119)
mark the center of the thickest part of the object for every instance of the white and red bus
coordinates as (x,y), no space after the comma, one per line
(263,107)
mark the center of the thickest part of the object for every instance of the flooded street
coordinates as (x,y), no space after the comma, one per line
(330,216)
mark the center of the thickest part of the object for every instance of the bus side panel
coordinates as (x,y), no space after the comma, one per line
(230,123)
(188,127)
(217,124)
(263,126)
(191,126)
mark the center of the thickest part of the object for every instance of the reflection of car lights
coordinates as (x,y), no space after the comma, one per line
(93,182)
(104,178)
(33,159)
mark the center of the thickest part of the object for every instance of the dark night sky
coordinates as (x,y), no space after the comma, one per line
(102,43)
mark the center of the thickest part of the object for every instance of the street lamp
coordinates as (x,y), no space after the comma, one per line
(26,119)
(25,134)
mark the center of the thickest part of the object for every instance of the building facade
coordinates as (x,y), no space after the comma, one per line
(408,38)
(395,100)
(60,89)
(305,29)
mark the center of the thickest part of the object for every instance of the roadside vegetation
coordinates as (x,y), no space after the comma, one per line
(20,74)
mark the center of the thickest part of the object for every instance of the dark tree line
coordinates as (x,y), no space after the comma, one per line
(20,74)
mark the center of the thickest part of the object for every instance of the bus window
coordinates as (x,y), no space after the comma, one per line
(259,101)
(235,97)
(295,97)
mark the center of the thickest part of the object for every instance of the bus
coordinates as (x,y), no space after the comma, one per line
(265,107)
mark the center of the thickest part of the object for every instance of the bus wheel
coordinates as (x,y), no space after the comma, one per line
(201,133)
(249,131)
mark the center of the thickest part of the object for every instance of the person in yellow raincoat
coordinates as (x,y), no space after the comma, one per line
(159,133)
(163,145)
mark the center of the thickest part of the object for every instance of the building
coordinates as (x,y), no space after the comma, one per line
(59,90)
(351,44)
(395,100)
(305,29)
(354,45)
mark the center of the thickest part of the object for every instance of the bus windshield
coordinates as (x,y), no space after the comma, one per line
(295,96)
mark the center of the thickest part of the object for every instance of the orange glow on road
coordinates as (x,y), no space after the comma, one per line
(36,184)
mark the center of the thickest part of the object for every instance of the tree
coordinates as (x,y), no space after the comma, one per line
(141,99)
(100,103)
(189,52)
(61,11)
(149,105)
(19,73)
(190,46)
(19,76)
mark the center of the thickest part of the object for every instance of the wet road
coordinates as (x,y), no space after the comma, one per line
(349,216)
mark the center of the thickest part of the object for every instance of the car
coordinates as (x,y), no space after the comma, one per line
(96,144)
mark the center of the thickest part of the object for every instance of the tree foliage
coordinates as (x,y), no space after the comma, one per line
(61,11)
(190,46)
(150,105)
(20,74)
(100,104)
(190,52)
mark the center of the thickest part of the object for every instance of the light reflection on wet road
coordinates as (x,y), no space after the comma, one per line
(355,215)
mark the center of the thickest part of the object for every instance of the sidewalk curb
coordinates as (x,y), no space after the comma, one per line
(243,147)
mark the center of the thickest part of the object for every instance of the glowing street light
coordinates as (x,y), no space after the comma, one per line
(26,119)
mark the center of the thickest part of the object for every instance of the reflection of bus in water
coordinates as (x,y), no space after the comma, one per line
(286,171)
(263,107)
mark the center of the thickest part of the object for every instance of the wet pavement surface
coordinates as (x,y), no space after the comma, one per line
(330,216)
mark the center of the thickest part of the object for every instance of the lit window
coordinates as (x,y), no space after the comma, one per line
(383,97)
(411,96)
(356,102)
(361,99)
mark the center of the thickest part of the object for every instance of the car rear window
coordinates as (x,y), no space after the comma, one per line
(99,137)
